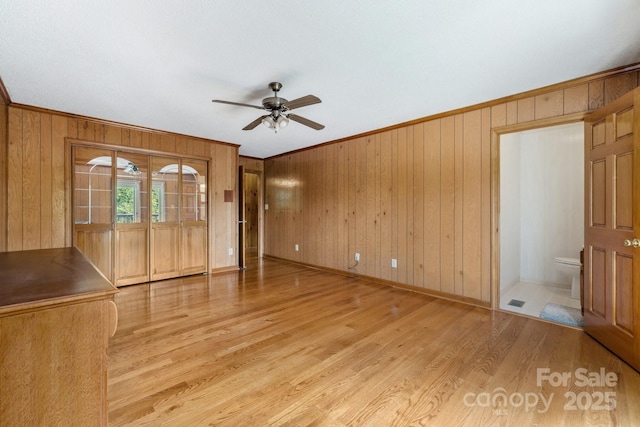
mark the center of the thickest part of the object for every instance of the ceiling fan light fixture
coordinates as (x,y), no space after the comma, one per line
(269,122)
(283,121)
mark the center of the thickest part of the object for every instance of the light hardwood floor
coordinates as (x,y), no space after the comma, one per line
(280,344)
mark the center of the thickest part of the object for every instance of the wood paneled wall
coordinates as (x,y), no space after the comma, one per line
(419,193)
(37,192)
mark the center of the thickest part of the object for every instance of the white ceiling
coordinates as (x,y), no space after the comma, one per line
(374,63)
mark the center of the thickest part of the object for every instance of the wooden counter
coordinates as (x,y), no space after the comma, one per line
(56,316)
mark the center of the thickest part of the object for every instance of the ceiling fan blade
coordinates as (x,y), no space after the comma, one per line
(254,123)
(237,103)
(306,122)
(302,102)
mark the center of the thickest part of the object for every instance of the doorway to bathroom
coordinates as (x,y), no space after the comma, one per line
(541,222)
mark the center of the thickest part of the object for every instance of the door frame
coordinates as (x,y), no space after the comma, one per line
(242,170)
(495,189)
(242,221)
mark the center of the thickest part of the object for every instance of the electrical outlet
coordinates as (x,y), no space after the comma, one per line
(394,263)
(266,206)
(230,251)
(357,257)
(297,247)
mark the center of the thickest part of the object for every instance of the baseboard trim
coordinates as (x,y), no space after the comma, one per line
(223,270)
(416,289)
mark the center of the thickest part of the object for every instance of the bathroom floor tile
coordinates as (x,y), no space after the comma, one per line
(535,297)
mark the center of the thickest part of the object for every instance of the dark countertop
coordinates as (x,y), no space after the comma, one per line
(48,276)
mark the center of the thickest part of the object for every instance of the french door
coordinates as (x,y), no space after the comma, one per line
(612,227)
(179,217)
(93,222)
(139,217)
(131,219)
(193,217)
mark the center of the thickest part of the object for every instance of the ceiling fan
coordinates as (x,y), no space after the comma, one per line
(279,110)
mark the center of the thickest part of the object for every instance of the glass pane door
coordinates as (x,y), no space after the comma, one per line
(165,218)
(92,208)
(193,257)
(132,218)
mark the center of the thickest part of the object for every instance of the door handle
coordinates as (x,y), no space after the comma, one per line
(242,222)
(635,243)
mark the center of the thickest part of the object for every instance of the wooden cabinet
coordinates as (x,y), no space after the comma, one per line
(56,316)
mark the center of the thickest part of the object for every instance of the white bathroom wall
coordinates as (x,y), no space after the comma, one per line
(541,202)
(509,210)
(551,200)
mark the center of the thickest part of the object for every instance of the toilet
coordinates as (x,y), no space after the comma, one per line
(570,268)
